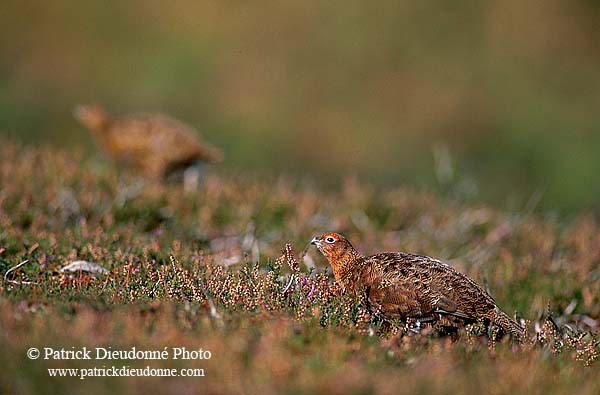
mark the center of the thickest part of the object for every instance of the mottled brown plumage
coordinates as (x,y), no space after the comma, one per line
(401,286)
(155,144)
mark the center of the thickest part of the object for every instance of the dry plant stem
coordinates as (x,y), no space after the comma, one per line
(294,264)
(16,282)
(287,287)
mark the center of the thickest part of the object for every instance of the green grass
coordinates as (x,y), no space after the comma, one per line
(200,270)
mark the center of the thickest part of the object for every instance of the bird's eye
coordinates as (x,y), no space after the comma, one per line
(330,239)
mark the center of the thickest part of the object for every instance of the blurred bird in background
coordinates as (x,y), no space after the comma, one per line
(155,144)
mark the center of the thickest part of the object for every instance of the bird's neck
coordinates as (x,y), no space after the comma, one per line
(101,125)
(102,135)
(345,266)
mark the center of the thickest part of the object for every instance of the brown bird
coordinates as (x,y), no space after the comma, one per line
(156,144)
(397,285)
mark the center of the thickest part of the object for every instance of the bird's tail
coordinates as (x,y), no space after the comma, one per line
(507,324)
(211,153)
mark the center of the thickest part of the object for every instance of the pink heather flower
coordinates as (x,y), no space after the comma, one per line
(311,293)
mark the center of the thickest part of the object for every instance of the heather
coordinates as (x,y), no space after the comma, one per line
(205,269)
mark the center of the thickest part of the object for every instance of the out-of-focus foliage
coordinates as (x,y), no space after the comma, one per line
(496,100)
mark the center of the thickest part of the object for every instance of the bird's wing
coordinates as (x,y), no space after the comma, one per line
(448,306)
(130,138)
(163,137)
(395,301)
(184,140)
(455,292)
(439,288)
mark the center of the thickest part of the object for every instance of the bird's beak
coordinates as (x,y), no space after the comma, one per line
(315,241)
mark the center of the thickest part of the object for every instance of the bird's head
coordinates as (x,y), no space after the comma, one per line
(92,116)
(336,248)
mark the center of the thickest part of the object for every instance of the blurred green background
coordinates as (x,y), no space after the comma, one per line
(492,101)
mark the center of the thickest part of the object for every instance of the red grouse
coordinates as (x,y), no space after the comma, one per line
(398,285)
(155,144)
